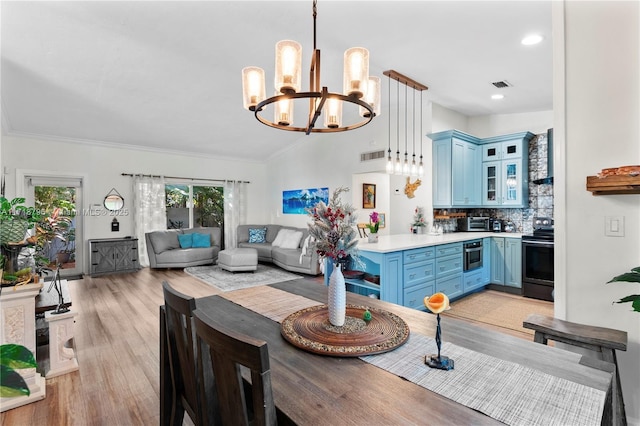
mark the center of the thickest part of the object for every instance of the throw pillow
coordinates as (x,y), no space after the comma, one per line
(281,236)
(292,240)
(201,240)
(257,235)
(186,240)
(164,240)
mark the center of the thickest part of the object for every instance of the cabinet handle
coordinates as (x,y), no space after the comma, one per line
(412,256)
(412,276)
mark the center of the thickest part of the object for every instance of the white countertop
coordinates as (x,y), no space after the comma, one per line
(391,243)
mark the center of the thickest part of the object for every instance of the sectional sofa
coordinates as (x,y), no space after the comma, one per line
(287,247)
(180,248)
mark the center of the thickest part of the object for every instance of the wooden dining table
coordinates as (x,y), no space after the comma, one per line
(312,388)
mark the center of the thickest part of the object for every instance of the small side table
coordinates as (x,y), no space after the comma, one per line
(62,356)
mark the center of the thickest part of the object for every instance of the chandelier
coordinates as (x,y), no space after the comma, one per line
(359,89)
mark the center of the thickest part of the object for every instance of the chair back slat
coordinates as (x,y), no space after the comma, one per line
(229,351)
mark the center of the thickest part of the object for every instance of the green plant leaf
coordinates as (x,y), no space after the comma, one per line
(11,383)
(634,299)
(17,356)
(633,276)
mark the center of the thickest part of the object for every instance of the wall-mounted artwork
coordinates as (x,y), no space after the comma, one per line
(297,200)
(368,196)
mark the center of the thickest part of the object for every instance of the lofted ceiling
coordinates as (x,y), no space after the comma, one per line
(165,75)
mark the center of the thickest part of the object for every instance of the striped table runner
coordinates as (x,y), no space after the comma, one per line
(506,391)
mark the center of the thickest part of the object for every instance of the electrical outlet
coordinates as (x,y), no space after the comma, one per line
(614,226)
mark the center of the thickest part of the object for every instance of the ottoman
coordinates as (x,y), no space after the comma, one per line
(238,259)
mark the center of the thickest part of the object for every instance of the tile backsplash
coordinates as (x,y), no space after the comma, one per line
(540,196)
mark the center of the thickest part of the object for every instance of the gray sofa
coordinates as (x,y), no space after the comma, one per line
(291,259)
(163,248)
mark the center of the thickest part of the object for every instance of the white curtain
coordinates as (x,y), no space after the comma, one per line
(234,211)
(150,213)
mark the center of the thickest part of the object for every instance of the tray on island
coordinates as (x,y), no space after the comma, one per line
(309,329)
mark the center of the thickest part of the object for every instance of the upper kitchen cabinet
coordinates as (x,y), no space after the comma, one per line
(505,173)
(457,172)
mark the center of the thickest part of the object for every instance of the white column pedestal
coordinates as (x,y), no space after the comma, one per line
(62,356)
(17,310)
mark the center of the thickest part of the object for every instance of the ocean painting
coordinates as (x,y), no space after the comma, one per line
(296,201)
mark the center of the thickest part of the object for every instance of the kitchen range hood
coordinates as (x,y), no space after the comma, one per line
(549,178)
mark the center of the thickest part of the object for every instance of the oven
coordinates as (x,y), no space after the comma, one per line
(537,263)
(472,254)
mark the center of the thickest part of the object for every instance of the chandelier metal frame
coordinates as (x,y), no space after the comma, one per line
(317,96)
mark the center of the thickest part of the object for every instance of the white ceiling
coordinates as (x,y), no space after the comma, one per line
(166,74)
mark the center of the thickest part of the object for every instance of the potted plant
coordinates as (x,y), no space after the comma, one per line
(373,225)
(16,219)
(633,277)
(54,227)
(14,357)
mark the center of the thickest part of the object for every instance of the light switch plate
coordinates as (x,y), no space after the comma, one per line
(614,226)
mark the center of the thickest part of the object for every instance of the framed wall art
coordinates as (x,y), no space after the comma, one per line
(298,200)
(368,196)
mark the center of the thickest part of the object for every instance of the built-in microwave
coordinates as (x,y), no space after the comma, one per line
(471,224)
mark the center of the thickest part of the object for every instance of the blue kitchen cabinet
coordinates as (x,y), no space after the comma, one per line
(505,176)
(513,262)
(473,280)
(486,260)
(456,170)
(506,261)
(449,266)
(497,260)
(418,276)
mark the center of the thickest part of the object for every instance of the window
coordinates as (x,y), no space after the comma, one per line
(189,206)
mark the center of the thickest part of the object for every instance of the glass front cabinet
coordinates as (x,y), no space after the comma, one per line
(503,183)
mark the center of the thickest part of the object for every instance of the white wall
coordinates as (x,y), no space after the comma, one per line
(602,86)
(104,165)
(485,126)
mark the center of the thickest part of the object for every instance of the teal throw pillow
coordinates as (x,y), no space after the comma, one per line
(201,240)
(257,235)
(185,240)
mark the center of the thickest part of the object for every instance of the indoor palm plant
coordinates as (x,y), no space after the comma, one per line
(14,357)
(633,277)
(15,219)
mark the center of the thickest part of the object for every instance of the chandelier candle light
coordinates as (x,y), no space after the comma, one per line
(359,89)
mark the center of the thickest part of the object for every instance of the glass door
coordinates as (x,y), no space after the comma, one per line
(60,228)
(491,183)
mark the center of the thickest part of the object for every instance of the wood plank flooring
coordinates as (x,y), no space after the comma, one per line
(117,344)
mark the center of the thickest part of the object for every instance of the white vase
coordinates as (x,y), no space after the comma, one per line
(337,300)
(373,237)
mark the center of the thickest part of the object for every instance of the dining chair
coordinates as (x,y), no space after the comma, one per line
(229,350)
(187,386)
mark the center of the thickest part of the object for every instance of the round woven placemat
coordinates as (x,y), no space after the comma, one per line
(310,329)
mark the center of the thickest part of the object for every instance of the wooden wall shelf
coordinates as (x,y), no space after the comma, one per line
(611,185)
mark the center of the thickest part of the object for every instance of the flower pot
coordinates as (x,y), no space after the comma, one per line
(337,300)
(373,237)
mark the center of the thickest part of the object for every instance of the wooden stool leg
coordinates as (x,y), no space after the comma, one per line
(538,337)
(619,414)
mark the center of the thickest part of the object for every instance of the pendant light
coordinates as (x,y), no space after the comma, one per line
(398,166)
(421,166)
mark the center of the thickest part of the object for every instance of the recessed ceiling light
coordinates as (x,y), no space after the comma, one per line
(532,39)
(498,96)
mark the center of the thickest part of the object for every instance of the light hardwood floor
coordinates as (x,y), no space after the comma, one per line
(117,344)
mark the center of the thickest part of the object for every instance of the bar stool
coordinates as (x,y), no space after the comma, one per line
(598,339)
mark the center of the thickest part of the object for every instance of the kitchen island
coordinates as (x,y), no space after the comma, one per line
(405,268)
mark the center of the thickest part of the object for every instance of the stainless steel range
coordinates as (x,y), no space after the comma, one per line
(537,260)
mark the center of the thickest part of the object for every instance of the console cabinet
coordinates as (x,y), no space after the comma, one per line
(111,255)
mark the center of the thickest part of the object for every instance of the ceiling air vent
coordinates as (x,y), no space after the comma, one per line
(502,84)
(373,155)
